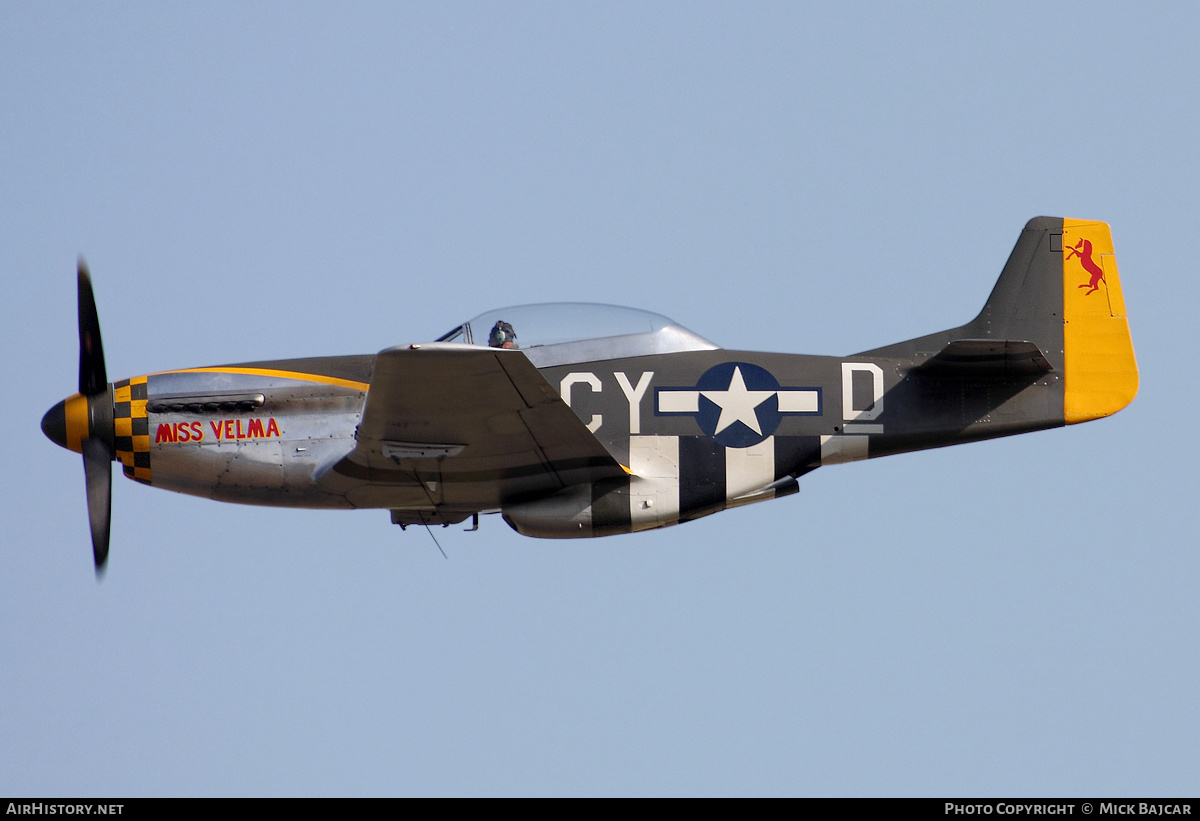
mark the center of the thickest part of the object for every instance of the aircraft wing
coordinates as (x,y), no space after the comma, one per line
(475,427)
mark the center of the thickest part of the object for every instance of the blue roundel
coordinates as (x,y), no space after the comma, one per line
(739,404)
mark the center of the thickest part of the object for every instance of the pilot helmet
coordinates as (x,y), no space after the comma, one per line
(501,334)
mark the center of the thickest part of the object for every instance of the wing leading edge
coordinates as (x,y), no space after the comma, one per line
(451,429)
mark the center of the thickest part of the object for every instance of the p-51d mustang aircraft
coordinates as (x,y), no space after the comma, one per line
(588,420)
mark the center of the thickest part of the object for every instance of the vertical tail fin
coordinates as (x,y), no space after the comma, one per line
(1060,291)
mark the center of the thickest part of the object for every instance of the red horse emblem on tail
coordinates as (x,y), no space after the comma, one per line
(1083,250)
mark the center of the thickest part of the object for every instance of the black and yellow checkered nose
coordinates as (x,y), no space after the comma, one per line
(131,427)
(116,416)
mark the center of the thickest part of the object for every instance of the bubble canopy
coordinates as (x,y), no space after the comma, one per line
(564,332)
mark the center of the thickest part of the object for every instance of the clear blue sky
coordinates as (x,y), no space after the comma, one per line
(1009,618)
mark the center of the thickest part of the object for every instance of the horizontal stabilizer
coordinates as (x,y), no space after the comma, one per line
(988,357)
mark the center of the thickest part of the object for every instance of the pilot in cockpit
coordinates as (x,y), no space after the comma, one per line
(502,336)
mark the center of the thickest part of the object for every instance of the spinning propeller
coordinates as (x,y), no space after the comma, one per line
(84,422)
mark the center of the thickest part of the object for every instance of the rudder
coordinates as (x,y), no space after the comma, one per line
(1101,370)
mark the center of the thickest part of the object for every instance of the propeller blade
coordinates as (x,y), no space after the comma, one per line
(93,378)
(96,446)
(97,473)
